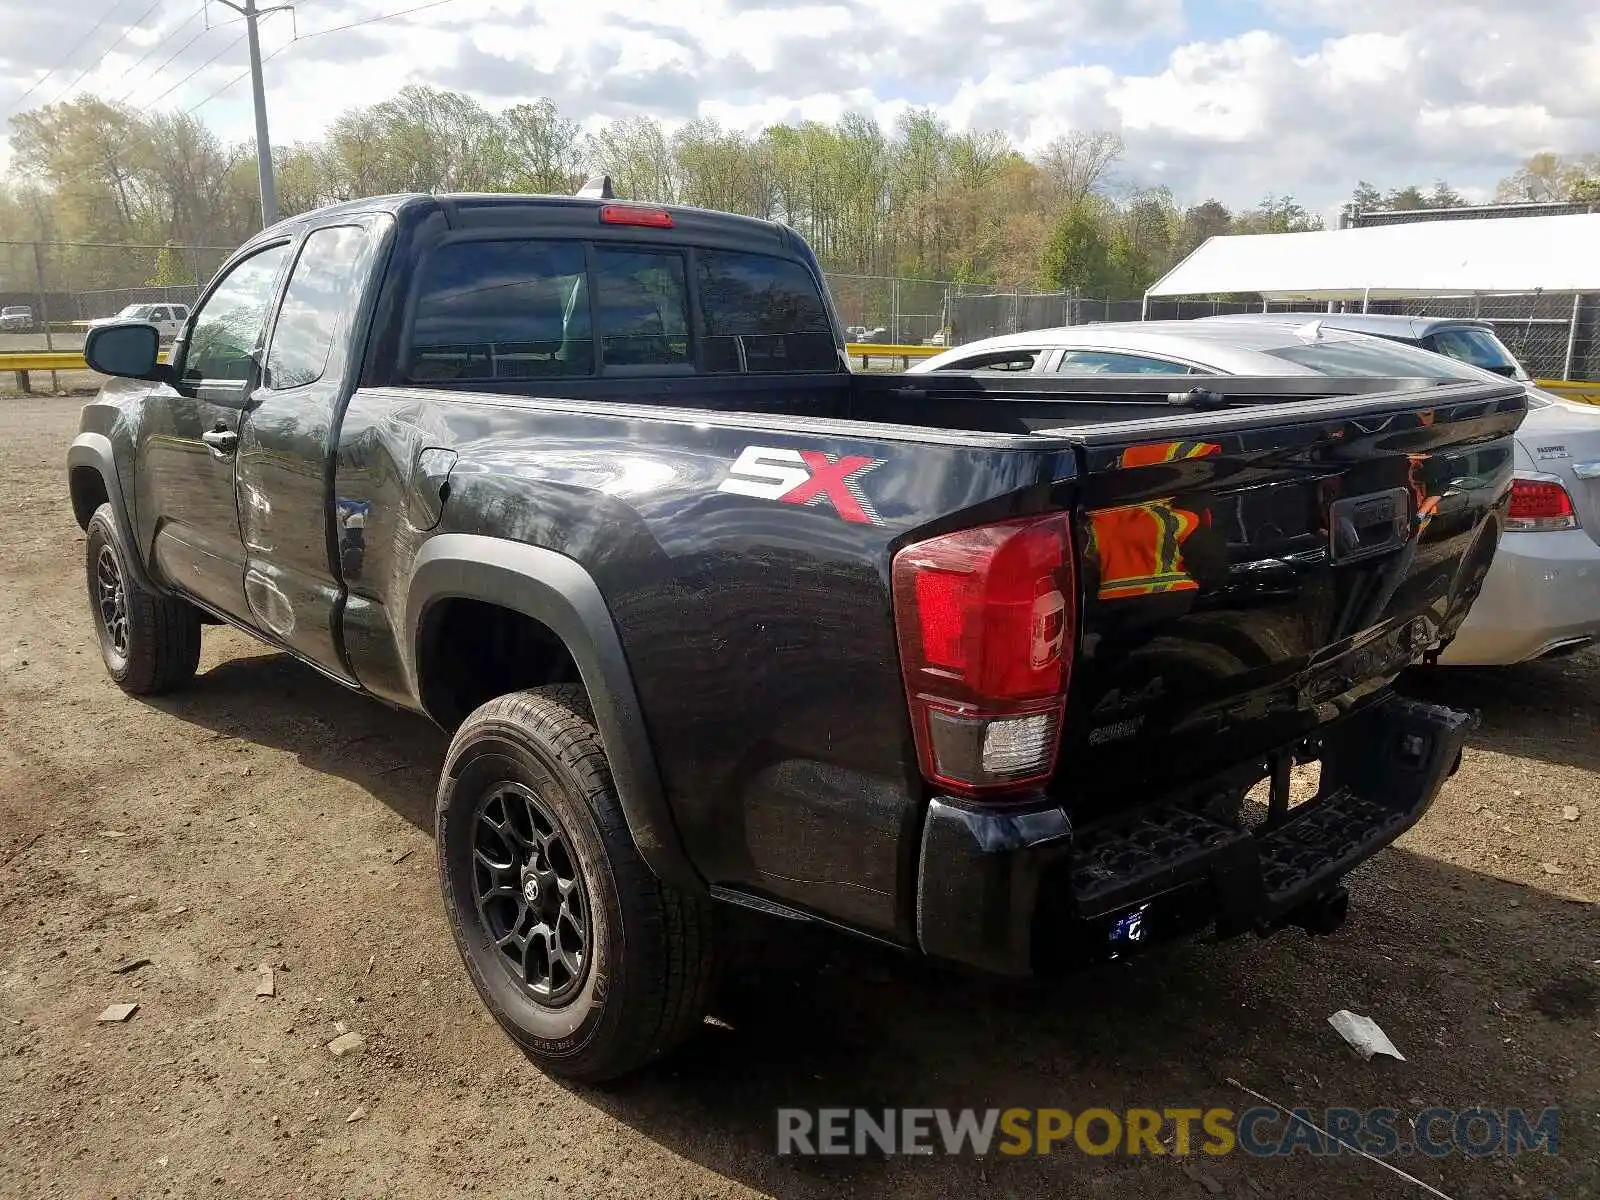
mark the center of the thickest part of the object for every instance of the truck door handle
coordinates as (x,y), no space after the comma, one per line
(223,442)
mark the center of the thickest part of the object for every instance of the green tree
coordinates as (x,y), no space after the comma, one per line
(1208,219)
(637,156)
(1445,196)
(1144,243)
(1364,199)
(1277,214)
(1406,199)
(170,269)
(543,149)
(1077,257)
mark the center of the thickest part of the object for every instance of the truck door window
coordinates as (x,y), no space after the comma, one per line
(761,314)
(643,303)
(320,293)
(228,329)
(501,310)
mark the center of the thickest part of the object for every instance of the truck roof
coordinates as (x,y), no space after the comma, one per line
(544,214)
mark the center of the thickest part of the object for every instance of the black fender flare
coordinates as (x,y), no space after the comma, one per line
(557,592)
(93,451)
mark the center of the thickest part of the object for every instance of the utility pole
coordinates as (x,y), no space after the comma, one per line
(269,185)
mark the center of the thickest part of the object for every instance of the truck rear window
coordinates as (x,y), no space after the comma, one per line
(521,309)
(644,307)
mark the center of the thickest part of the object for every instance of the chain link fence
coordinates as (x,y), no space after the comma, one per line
(1555,335)
(52,289)
(887,309)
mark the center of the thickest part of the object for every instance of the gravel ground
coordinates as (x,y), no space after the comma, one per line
(267,817)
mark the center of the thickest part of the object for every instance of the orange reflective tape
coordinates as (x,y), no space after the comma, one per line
(1152,453)
(1140,549)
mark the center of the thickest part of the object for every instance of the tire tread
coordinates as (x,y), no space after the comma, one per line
(672,941)
(164,632)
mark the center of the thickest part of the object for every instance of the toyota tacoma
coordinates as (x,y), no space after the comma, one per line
(979,668)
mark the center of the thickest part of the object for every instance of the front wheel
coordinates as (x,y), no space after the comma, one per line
(149,642)
(591,963)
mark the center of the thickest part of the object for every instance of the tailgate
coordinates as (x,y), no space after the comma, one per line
(1250,573)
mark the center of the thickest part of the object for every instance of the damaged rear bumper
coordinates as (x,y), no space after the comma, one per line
(1020,893)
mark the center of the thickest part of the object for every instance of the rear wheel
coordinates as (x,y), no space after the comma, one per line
(149,642)
(586,959)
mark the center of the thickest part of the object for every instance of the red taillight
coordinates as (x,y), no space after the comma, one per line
(1539,506)
(633,214)
(986,626)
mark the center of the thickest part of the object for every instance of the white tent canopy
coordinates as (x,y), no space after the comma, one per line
(1427,258)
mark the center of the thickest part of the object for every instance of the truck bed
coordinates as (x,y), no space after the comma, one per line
(760,634)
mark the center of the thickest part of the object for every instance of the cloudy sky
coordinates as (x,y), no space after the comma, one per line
(1225,98)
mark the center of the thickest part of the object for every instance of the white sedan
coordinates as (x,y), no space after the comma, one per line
(1542,595)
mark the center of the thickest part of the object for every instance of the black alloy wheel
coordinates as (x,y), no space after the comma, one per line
(529,892)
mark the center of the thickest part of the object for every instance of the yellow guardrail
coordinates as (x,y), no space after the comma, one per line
(866,351)
(20,362)
(43,360)
(1587,391)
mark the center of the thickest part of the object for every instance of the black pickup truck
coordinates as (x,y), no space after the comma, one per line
(978,668)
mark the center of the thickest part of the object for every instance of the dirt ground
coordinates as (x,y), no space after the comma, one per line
(265,816)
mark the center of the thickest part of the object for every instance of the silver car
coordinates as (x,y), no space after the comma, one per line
(16,318)
(1542,595)
(1464,338)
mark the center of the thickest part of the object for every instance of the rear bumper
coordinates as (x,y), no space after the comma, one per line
(1541,594)
(1019,893)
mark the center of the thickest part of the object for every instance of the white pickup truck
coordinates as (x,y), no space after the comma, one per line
(167,318)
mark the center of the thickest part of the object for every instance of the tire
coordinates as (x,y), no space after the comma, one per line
(149,642)
(642,978)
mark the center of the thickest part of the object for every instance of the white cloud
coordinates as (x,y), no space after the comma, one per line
(1322,93)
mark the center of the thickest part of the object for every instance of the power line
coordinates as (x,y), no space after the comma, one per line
(65,58)
(405,12)
(243,75)
(165,63)
(198,34)
(137,21)
(196,71)
(158,44)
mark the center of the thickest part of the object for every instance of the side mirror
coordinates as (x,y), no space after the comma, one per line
(131,349)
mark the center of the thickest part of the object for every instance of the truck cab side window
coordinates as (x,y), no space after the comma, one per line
(228,328)
(762,314)
(514,309)
(316,302)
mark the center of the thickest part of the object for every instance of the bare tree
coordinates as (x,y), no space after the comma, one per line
(1077,163)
